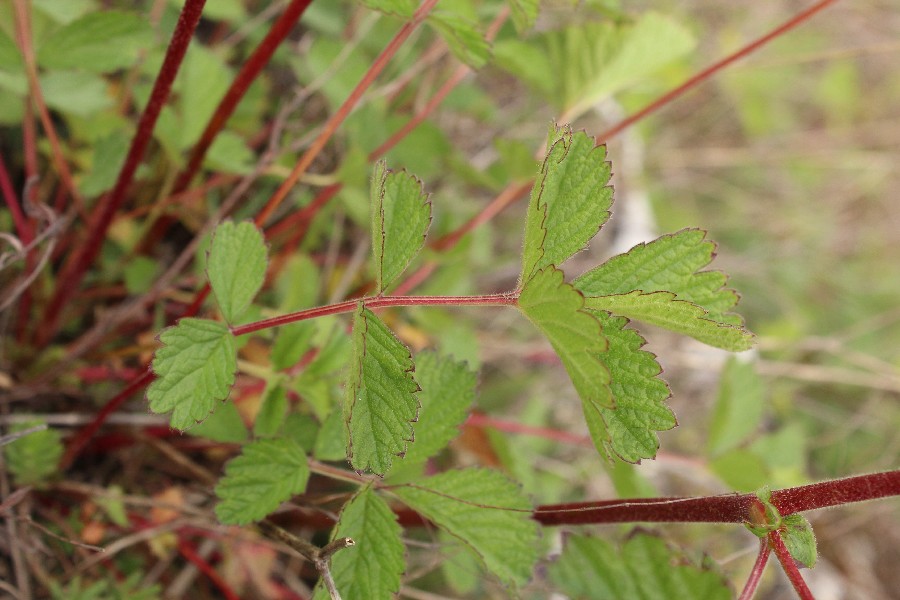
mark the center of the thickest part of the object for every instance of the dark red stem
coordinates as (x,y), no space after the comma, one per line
(248,73)
(789,565)
(756,574)
(187,551)
(374,302)
(23,226)
(76,267)
(730,508)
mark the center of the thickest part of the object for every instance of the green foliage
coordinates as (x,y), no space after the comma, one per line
(401,214)
(32,459)
(664,310)
(628,430)
(381,403)
(266,473)
(569,202)
(672,264)
(487,512)
(739,407)
(372,568)
(580,65)
(644,569)
(194,369)
(557,309)
(85,43)
(236,266)
(798,537)
(448,390)
(131,588)
(462,37)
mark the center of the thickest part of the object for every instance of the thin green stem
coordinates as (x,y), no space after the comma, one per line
(374,302)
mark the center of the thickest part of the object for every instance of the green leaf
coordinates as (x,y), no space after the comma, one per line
(629,429)
(448,390)
(381,402)
(524,13)
(487,512)
(798,536)
(670,263)
(557,309)
(645,569)
(236,266)
(10,56)
(33,458)
(108,157)
(462,37)
(741,470)
(373,566)
(569,202)
(99,41)
(272,412)
(664,310)
(401,214)
(401,8)
(266,473)
(75,92)
(739,407)
(194,369)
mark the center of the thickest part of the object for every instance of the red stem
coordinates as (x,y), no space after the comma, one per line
(729,508)
(76,267)
(204,567)
(756,574)
(715,67)
(248,73)
(23,226)
(790,566)
(343,112)
(506,299)
(515,191)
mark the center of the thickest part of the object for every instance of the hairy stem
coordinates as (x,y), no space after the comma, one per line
(789,565)
(373,302)
(756,574)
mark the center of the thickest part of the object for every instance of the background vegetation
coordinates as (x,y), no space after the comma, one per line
(788,158)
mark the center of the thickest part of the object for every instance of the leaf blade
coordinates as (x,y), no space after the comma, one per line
(629,429)
(665,310)
(557,309)
(195,368)
(236,266)
(448,390)
(569,201)
(401,215)
(85,42)
(266,473)
(486,511)
(380,404)
(372,568)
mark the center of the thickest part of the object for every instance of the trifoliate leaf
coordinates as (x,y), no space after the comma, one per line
(373,566)
(664,310)
(798,536)
(569,202)
(85,42)
(486,511)
(524,13)
(236,266)
(739,407)
(401,214)
(448,389)
(381,402)
(194,369)
(266,473)
(557,309)
(462,37)
(33,457)
(670,263)
(591,568)
(629,429)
